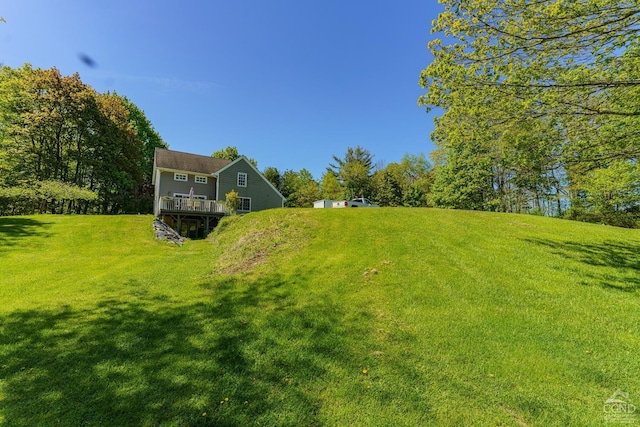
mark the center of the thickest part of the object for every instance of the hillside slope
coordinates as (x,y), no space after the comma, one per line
(434,244)
(464,306)
(325,317)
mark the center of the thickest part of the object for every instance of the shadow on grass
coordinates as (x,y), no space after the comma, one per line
(13,229)
(602,261)
(141,360)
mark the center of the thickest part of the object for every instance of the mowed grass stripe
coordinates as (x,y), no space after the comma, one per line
(318,317)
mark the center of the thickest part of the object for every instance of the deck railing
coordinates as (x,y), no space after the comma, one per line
(175,204)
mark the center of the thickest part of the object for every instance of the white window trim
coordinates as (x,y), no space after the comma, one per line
(177,176)
(246,177)
(203,179)
(240,207)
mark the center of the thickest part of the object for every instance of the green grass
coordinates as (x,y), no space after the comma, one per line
(358,317)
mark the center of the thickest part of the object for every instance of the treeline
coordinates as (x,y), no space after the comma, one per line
(540,108)
(65,148)
(404,183)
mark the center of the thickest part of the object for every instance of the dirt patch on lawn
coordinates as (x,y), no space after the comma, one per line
(245,242)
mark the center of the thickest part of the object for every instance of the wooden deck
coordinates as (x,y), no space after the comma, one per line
(191,218)
(172,205)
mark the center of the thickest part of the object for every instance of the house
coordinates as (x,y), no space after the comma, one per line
(190,190)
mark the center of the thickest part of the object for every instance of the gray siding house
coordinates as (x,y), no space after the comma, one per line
(190,190)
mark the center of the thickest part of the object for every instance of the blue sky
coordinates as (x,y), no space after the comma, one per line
(288,82)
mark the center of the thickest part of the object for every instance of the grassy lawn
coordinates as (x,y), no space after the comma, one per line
(355,317)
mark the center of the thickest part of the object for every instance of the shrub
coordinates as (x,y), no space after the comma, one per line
(232,201)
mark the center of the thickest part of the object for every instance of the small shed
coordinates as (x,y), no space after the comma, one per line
(323,203)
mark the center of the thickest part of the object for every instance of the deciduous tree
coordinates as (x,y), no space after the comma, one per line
(273,176)
(150,139)
(56,129)
(299,188)
(331,188)
(231,153)
(547,88)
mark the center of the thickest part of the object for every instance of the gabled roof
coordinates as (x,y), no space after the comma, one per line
(177,161)
(244,159)
(186,162)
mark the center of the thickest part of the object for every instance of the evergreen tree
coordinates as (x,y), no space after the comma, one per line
(354,172)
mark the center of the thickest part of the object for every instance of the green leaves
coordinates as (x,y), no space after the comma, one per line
(299,188)
(232,202)
(231,153)
(354,172)
(54,128)
(562,75)
(53,194)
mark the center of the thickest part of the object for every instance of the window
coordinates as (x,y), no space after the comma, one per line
(180,177)
(245,204)
(201,179)
(242,179)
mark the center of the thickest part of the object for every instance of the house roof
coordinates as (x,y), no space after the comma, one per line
(179,161)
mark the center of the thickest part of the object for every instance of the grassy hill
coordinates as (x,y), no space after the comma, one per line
(318,317)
